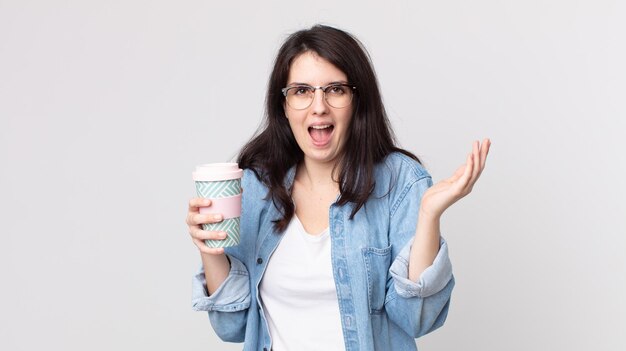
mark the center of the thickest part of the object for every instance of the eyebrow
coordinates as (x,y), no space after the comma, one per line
(334,82)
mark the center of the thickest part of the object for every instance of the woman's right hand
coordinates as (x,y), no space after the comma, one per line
(195,219)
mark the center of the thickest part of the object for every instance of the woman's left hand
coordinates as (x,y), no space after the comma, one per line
(448,191)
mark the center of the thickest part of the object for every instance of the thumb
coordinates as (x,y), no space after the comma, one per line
(457,174)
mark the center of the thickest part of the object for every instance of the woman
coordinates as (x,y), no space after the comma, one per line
(340,244)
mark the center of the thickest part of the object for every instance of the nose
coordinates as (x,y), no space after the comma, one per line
(319,105)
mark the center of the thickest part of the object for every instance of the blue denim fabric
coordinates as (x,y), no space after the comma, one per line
(381,309)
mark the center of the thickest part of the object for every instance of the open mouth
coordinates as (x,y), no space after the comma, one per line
(321,133)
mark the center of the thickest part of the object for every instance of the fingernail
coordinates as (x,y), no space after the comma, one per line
(223,235)
(217,217)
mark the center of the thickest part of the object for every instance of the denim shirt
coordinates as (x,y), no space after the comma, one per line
(380,308)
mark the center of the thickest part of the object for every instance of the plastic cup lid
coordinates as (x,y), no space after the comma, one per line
(217,171)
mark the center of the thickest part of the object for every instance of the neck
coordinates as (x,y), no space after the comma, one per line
(317,175)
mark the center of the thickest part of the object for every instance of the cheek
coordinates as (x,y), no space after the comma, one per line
(294,126)
(347,120)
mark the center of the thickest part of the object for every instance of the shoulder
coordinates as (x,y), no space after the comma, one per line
(252,185)
(397,177)
(406,164)
(398,170)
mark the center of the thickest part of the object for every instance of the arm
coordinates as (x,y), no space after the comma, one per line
(222,284)
(216,265)
(417,305)
(436,200)
(216,269)
(221,287)
(421,275)
(228,304)
(425,245)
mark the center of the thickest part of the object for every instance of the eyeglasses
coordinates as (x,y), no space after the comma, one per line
(300,97)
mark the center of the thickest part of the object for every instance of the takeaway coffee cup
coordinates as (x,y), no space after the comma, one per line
(221,182)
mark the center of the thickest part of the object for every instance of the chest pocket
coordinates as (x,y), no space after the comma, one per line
(377,262)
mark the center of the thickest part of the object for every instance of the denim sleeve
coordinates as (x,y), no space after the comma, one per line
(416,307)
(228,305)
(432,280)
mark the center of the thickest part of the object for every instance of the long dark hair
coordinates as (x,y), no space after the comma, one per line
(273,151)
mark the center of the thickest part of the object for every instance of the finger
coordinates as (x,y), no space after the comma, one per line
(475,168)
(457,174)
(190,220)
(198,202)
(208,235)
(464,179)
(200,218)
(208,250)
(484,152)
(476,159)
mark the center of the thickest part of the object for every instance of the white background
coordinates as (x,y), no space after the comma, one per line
(106,107)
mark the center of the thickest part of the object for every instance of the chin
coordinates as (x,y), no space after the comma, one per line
(322,156)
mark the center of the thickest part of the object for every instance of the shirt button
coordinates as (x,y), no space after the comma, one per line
(259,261)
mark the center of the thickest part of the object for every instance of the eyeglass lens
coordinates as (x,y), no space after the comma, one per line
(301,97)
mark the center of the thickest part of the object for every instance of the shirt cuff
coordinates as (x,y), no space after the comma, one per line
(233,295)
(432,280)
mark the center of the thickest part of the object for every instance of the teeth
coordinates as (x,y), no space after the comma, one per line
(321,127)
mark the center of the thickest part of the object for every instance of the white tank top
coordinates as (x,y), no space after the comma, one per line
(298,293)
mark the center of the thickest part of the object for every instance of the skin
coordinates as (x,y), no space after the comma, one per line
(315,189)
(436,200)
(309,68)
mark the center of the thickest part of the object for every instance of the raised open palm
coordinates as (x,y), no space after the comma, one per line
(448,191)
